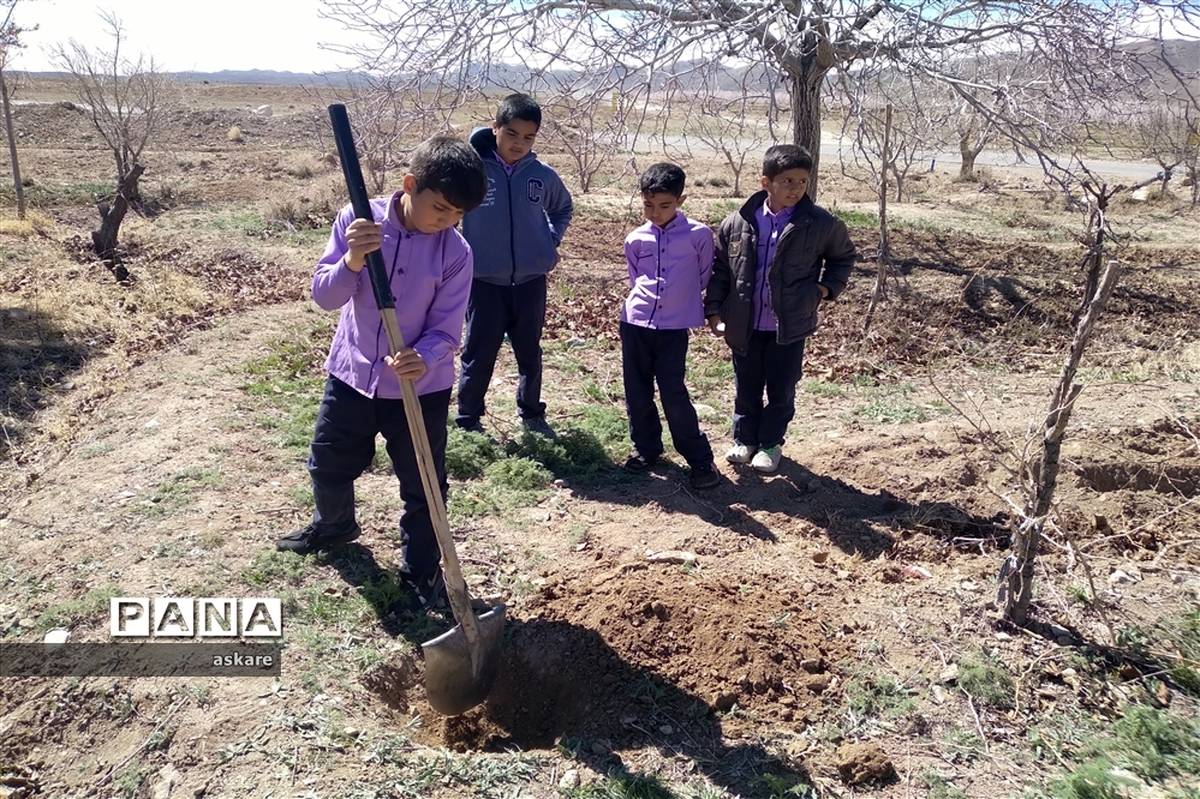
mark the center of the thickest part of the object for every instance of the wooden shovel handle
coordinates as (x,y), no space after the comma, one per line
(456,586)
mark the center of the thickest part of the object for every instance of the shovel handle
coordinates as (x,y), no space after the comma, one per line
(456,586)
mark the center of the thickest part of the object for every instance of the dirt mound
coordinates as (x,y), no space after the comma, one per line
(647,653)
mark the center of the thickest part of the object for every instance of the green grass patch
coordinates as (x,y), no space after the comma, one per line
(857,219)
(89,607)
(623,786)
(986,680)
(48,195)
(289,381)
(819,388)
(876,696)
(506,485)
(892,404)
(246,221)
(274,568)
(1151,744)
(468,454)
(175,493)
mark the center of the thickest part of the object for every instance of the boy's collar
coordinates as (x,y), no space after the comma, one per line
(673,220)
(395,219)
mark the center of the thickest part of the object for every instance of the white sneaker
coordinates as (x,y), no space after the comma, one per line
(767,460)
(740,453)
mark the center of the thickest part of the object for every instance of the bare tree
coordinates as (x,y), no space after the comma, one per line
(1162,134)
(736,123)
(588,119)
(10,41)
(974,133)
(392,112)
(125,99)
(800,40)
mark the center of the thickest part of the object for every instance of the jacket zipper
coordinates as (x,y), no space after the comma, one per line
(512,239)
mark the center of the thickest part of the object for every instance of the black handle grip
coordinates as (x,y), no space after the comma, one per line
(352,171)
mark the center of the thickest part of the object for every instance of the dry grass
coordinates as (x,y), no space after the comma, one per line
(34,222)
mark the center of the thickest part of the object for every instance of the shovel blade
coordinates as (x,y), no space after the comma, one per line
(452,683)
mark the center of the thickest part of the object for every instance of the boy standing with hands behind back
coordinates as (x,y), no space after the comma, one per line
(514,233)
(777,258)
(669,259)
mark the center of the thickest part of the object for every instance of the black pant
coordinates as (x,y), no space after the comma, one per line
(343,447)
(492,312)
(649,356)
(776,367)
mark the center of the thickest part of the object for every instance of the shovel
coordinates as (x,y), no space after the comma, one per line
(460,665)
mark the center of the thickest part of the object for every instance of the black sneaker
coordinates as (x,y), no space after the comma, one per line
(639,464)
(704,477)
(307,540)
(472,427)
(539,426)
(430,590)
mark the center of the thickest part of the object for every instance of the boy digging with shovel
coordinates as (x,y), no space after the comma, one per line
(429,267)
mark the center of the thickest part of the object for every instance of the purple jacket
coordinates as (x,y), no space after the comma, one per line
(668,270)
(431,280)
(770,227)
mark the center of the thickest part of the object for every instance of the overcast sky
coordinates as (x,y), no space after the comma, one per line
(205,36)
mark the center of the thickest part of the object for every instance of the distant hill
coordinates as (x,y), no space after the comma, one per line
(1183,53)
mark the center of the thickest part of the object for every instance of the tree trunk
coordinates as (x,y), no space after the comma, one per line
(1017,578)
(104,240)
(806,117)
(18,189)
(967,170)
(883,257)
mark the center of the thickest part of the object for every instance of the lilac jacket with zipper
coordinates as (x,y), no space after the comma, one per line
(430,276)
(668,271)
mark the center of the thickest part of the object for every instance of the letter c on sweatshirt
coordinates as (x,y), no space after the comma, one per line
(535,190)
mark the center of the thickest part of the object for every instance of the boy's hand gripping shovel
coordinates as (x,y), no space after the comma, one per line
(460,665)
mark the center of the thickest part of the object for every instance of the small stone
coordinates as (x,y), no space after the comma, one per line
(150,425)
(59,636)
(939,694)
(570,780)
(666,729)
(813,665)
(841,574)
(814,484)
(676,556)
(560,483)
(27,623)
(725,702)
(628,720)
(969,585)
(949,674)
(916,572)
(1121,577)
(817,683)
(820,557)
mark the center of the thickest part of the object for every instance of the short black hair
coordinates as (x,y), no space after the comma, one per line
(663,177)
(519,106)
(782,157)
(452,168)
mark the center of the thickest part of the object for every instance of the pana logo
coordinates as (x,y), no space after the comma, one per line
(195,617)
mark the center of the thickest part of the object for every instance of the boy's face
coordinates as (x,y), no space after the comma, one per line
(515,138)
(786,188)
(660,207)
(428,210)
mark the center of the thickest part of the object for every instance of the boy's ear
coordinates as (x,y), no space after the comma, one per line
(766,181)
(682,197)
(409,184)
